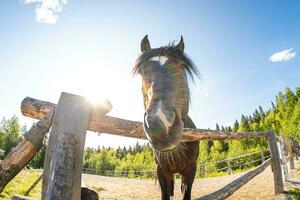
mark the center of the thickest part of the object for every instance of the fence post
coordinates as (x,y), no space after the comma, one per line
(64,155)
(262,157)
(229,171)
(283,154)
(276,166)
(202,170)
(295,148)
(292,162)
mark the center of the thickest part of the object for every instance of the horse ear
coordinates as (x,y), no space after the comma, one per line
(180,45)
(145,44)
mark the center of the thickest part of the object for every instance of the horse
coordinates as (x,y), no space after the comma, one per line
(165,73)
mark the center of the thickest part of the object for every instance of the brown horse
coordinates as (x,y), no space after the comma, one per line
(165,72)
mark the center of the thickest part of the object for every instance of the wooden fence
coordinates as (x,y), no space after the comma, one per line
(72,117)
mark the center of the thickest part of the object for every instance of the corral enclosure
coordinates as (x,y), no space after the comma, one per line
(70,120)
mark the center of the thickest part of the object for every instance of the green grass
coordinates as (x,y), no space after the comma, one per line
(295,193)
(21,183)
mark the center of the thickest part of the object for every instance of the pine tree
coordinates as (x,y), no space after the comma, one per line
(244,125)
(294,129)
(217,127)
(236,126)
(261,111)
(273,106)
(256,116)
(298,93)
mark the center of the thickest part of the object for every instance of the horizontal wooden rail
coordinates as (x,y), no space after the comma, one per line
(37,109)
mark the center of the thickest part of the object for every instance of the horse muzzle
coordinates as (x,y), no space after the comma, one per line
(163,129)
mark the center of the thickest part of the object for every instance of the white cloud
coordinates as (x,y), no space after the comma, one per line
(46,10)
(284,55)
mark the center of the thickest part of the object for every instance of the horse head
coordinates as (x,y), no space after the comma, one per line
(165,72)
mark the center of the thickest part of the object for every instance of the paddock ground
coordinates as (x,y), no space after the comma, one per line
(109,188)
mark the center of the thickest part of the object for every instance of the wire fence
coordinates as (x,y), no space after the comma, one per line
(221,167)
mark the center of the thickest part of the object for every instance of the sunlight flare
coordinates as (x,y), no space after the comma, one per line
(101,104)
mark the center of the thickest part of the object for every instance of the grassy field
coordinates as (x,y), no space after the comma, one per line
(21,183)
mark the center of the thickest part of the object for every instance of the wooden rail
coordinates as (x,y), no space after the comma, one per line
(37,109)
(230,188)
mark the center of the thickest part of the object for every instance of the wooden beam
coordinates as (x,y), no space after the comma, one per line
(295,147)
(34,185)
(20,156)
(276,163)
(233,186)
(63,161)
(20,197)
(283,152)
(105,124)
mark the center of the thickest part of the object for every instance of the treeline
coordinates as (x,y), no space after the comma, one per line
(129,160)
(283,116)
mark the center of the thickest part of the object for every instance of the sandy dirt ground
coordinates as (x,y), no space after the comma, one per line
(261,187)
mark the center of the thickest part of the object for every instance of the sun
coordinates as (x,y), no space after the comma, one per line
(99,103)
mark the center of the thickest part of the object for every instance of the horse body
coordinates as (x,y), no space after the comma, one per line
(165,73)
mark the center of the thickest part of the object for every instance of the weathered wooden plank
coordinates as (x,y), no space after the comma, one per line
(34,185)
(283,155)
(292,162)
(18,158)
(19,197)
(233,186)
(276,163)
(117,126)
(295,148)
(63,161)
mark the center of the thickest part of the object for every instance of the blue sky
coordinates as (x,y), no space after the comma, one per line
(91,46)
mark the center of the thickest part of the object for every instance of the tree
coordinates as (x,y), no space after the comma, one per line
(10,133)
(217,127)
(244,125)
(256,116)
(294,129)
(236,126)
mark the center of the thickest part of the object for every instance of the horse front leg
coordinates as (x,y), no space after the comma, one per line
(172,187)
(187,182)
(164,182)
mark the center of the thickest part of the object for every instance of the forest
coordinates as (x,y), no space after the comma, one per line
(283,116)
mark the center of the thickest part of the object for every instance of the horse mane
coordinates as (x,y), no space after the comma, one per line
(190,69)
